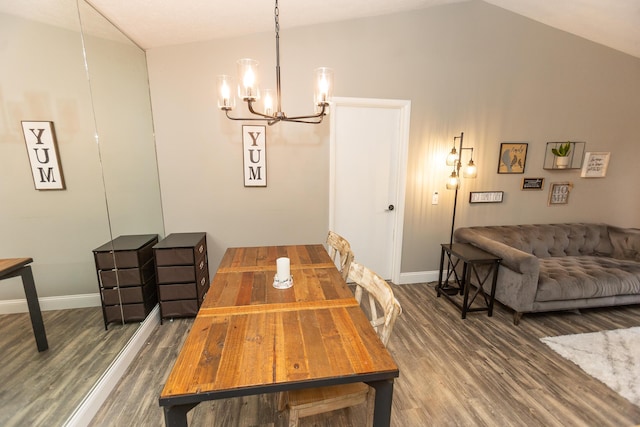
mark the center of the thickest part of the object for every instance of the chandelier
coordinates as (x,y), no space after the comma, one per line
(270,109)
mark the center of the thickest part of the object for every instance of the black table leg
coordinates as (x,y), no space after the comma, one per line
(384,397)
(34,308)
(176,416)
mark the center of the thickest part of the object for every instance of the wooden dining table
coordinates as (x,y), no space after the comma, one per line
(251,338)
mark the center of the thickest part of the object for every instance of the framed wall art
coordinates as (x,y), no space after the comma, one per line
(532,183)
(254,145)
(486,196)
(44,158)
(559,193)
(513,157)
(595,164)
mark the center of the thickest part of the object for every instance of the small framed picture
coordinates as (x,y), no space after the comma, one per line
(595,165)
(513,157)
(532,183)
(559,193)
(486,196)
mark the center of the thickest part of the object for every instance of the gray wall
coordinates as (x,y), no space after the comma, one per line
(43,78)
(468,67)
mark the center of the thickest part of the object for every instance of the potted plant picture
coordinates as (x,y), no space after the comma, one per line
(562,155)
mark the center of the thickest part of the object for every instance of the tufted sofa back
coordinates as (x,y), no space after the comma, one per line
(552,240)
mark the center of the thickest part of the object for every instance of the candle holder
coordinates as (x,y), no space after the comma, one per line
(282,283)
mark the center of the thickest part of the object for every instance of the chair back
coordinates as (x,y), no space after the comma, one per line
(340,252)
(377,291)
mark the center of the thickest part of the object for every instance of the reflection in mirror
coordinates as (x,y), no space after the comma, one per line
(105,141)
(122,109)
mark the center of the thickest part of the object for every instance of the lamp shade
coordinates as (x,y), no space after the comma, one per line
(226,100)
(470,171)
(248,85)
(453,182)
(323,86)
(268,101)
(452,157)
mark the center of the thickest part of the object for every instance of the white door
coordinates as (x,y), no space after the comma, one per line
(368,157)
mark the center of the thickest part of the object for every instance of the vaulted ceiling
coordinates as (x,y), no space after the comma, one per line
(156,23)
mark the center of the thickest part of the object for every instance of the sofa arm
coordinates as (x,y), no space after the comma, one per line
(515,259)
(625,242)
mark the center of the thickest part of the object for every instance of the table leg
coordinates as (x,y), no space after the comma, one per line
(34,308)
(439,287)
(384,397)
(466,274)
(176,416)
(496,265)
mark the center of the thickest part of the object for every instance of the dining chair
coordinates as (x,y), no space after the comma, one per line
(340,252)
(374,294)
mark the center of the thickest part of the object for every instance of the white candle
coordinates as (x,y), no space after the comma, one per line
(284,271)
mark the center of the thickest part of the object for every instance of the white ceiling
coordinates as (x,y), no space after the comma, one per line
(155,23)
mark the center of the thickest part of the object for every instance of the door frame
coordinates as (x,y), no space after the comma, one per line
(404,106)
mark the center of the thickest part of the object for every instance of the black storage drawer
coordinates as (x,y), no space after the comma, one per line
(127,276)
(132,312)
(182,273)
(176,292)
(125,252)
(180,308)
(129,295)
(180,255)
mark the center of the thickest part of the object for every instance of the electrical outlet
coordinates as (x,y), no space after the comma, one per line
(434,198)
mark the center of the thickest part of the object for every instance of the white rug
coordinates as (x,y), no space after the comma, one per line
(612,357)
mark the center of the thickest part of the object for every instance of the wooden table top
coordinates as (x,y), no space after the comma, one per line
(249,337)
(8,265)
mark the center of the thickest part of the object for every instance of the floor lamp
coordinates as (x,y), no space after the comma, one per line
(453,183)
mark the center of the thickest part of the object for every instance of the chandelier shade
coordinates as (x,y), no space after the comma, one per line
(248,88)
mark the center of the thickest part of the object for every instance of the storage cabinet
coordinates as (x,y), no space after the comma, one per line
(182,274)
(127,278)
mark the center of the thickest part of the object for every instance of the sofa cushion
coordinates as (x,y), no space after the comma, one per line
(576,277)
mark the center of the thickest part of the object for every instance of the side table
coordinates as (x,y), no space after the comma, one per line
(13,267)
(471,258)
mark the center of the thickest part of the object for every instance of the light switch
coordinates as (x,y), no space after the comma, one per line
(434,198)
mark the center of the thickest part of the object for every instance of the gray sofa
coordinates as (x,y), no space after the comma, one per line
(551,267)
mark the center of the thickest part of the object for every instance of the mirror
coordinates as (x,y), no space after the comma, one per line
(101,111)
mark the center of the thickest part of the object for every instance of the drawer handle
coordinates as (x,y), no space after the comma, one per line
(201,265)
(201,248)
(202,281)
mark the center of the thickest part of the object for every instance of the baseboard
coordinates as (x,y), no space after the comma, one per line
(418,277)
(92,402)
(64,302)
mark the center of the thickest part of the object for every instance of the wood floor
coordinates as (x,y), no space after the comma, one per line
(476,372)
(43,389)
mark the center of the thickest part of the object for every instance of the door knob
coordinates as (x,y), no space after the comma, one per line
(391,207)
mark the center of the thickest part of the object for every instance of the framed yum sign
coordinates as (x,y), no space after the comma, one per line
(254,145)
(42,148)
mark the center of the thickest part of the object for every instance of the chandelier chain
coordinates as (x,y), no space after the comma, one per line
(276,14)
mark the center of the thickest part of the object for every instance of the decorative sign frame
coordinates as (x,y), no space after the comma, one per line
(254,145)
(559,193)
(595,164)
(42,148)
(532,183)
(486,196)
(513,157)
